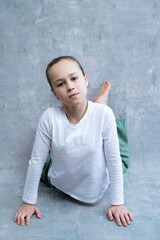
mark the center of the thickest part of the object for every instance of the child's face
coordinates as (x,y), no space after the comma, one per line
(68,82)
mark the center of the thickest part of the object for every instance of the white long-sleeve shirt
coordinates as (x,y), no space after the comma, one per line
(85,156)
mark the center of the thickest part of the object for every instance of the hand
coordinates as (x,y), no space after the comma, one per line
(121,214)
(26,211)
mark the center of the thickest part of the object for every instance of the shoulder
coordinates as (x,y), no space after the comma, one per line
(48,115)
(100,109)
(46,119)
(102,114)
(50,111)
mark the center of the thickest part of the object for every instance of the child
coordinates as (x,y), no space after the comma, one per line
(83,141)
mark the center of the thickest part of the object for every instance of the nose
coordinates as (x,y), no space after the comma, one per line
(70,86)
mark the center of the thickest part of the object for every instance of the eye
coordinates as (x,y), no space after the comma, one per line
(60,84)
(74,78)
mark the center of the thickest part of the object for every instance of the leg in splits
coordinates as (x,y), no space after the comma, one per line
(104,92)
(121,126)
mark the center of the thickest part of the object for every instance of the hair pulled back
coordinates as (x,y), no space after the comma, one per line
(58,59)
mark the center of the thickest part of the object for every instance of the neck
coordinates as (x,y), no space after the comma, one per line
(76,113)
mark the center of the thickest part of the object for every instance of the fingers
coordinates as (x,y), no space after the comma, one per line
(22,219)
(117,219)
(15,218)
(27,220)
(124,221)
(121,215)
(120,219)
(19,218)
(127,219)
(109,213)
(124,218)
(130,216)
(26,211)
(38,213)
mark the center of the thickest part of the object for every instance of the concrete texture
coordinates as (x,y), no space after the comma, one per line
(117,41)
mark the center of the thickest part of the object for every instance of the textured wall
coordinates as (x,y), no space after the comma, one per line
(114,40)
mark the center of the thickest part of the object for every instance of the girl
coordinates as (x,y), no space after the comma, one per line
(82,138)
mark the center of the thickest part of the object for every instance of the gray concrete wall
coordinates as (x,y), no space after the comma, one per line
(118,41)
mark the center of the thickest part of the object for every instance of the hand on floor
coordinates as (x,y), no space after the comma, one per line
(26,211)
(121,214)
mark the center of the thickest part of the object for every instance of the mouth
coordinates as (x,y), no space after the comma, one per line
(73,95)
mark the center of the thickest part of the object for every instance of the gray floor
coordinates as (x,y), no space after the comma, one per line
(65,218)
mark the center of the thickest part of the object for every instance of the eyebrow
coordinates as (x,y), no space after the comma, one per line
(63,78)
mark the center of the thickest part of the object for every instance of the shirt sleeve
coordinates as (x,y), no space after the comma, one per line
(39,155)
(113,160)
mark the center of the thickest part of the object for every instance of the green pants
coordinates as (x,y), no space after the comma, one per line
(123,144)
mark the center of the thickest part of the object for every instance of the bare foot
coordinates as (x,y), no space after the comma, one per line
(104,91)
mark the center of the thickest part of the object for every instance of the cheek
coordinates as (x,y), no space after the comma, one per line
(82,84)
(61,92)
(84,89)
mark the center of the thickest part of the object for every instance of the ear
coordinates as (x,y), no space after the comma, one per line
(86,80)
(54,93)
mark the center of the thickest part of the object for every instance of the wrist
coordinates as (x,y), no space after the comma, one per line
(117,205)
(25,203)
